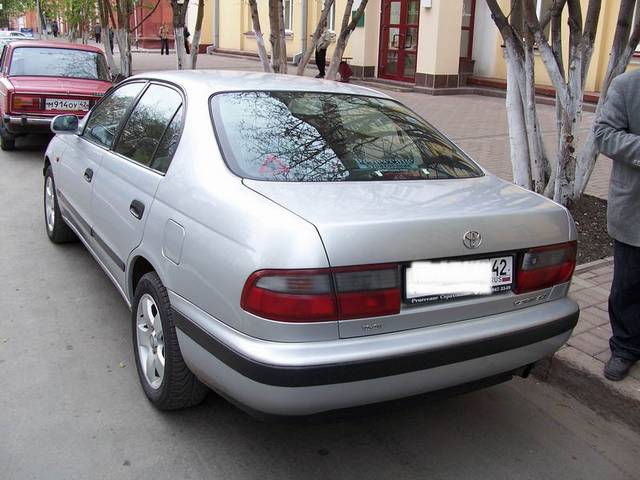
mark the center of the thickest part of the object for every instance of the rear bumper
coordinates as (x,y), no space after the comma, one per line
(308,378)
(17,124)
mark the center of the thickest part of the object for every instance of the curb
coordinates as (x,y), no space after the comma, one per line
(580,375)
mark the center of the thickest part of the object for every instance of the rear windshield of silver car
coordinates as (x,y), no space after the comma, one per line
(327,137)
(58,62)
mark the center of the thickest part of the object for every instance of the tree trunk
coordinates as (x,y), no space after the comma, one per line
(196,34)
(106,38)
(179,15)
(519,146)
(257,31)
(316,36)
(345,32)
(276,9)
(283,40)
(124,44)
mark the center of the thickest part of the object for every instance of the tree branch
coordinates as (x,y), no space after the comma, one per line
(145,17)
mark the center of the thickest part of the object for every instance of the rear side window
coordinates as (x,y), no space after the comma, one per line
(168,144)
(105,118)
(147,124)
(328,137)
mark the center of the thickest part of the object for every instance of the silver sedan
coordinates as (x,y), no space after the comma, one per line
(301,246)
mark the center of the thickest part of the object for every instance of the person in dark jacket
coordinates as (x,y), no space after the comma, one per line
(617,131)
(187,34)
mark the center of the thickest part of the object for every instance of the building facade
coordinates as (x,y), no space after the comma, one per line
(433,44)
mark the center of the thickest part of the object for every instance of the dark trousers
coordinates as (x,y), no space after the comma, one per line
(98,38)
(186,46)
(624,302)
(164,46)
(321,60)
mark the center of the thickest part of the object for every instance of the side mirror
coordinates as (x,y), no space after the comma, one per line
(65,124)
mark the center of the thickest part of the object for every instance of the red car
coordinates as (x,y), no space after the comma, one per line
(39,80)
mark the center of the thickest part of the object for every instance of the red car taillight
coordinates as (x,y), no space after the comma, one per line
(546,266)
(26,102)
(324,294)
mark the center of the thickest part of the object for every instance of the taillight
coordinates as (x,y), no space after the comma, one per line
(26,102)
(546,266)
(324,294)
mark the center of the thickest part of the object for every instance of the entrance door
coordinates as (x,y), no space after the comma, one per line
(399,39)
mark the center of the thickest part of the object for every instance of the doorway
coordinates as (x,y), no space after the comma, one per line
(399,39)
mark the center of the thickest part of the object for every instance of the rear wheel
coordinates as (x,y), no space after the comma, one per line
(57,230)
(165,378)
(7,141)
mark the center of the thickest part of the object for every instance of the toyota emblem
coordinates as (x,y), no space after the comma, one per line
(472,239)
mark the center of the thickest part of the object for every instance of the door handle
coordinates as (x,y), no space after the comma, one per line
(137,209)
(88,175)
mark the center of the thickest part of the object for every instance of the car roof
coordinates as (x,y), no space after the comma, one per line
(208,82)
(58,45)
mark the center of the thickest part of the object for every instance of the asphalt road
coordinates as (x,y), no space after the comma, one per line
(71,406)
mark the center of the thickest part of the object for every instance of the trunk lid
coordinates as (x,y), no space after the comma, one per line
(66,87)
(399,221)
(364,223)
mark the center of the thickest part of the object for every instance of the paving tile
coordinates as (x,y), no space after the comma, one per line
(595,316)
(589,343)
(580,282)
(603,332)
(604,356)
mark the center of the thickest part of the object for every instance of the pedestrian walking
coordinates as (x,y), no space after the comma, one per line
(617,132)
(164,39)
(97,31)
(54,29)
(326,38)
(187,34)
(111,39)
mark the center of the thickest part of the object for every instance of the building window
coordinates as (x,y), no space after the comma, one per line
(331,19)
(288,15)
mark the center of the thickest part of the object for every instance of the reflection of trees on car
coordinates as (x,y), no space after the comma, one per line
(52,62)
(293,136)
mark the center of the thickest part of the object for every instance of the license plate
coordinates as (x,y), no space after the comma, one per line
(427,282)
(62,104)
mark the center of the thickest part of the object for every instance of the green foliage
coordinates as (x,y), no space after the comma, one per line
(17,7)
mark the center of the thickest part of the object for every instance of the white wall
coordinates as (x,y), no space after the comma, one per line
(485,37)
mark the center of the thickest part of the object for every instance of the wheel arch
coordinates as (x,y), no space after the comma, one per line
(140,265)
(47,164)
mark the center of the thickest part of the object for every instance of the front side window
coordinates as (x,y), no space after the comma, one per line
(147,124)
(325,137)
(105,118)
(58,62)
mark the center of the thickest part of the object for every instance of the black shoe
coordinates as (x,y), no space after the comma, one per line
(319,76)
(617,368)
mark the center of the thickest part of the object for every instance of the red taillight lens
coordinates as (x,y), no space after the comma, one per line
(290,295)
(310,295)
(368,293)
(26,102)
(546,266)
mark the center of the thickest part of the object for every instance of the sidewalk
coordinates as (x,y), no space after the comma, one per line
(478,124)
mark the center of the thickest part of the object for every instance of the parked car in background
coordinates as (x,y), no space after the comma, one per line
(302,246)
(14,34)
(39,80)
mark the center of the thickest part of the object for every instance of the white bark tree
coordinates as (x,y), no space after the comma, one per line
(346,30)
(567,178)
(179,16)
(257,31)
(195,44)
(276,36)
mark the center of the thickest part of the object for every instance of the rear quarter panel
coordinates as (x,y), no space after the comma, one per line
(229,232)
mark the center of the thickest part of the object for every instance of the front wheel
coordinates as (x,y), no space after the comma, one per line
(165,378)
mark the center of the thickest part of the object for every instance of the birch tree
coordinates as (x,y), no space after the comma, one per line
(566,179)
(124,10)
(257,31)
(105,13)
(179,17)
(277,36)
(322,22)
(195,45)
(346,30)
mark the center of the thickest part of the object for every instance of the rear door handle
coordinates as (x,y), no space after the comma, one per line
(137,209)
(88,175)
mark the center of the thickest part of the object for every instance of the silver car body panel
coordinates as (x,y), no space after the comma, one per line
(228,228)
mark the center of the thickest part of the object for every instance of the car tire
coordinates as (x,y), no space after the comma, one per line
(57,230)
(7,142)
(164,376)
